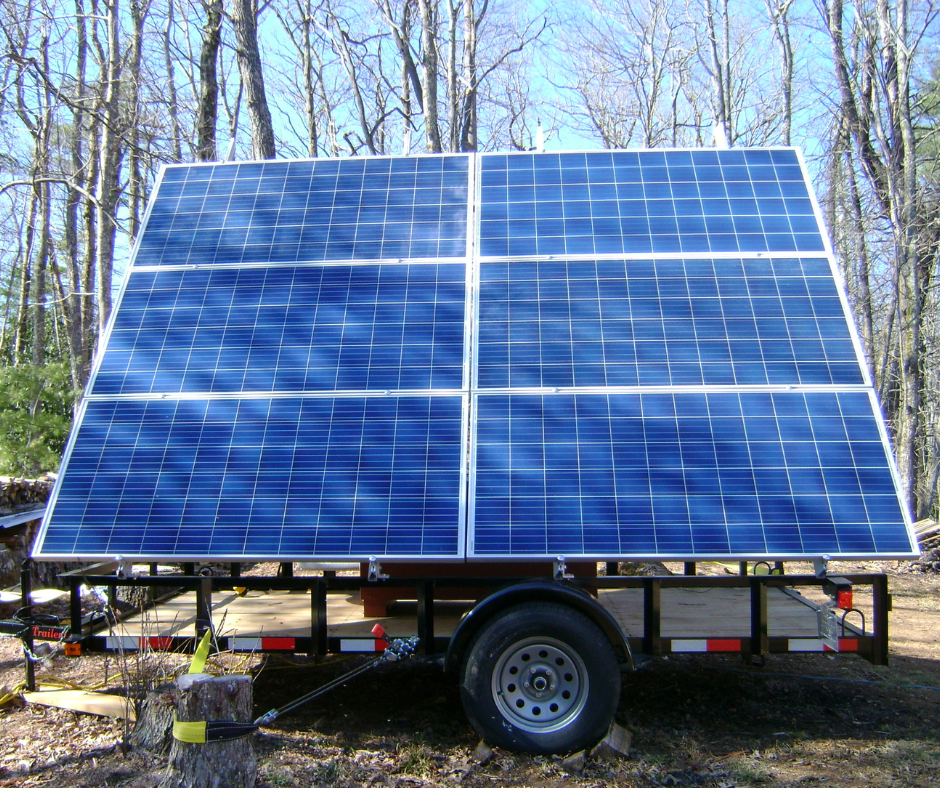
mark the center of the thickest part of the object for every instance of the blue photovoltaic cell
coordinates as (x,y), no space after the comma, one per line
(299,211)
(670,474)
(332,477)
(288,329)
(663,322)
(642,202)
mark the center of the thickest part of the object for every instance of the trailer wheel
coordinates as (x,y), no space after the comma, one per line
(540,678)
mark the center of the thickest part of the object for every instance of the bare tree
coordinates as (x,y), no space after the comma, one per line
(245,24)
(779,13)
(208,113)
(872,50)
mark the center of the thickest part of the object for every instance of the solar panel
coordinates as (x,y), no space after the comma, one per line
(259,477)
(695,321)
(709,475)
(328,209)
(617,202)
(630,354)
(288,329)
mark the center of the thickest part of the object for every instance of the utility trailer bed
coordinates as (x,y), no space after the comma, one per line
(752,614)
(718,617)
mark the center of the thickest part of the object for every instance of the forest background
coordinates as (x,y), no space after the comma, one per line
(95,95)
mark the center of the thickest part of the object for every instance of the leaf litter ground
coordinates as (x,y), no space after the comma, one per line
(697,720)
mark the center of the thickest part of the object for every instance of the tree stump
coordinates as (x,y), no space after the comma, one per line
(153,729)
(228,764)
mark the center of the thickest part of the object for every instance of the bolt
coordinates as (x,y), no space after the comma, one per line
(525,684)
(548,673)
(531,670)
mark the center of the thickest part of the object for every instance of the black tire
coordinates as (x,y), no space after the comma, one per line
(568,683)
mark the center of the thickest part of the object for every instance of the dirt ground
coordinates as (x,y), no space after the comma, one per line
(696,720)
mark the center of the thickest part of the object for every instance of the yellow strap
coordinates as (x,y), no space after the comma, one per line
(191,732)
(201,655)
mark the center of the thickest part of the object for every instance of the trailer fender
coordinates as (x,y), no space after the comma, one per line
(536,591)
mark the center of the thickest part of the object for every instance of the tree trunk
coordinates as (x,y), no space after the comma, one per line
(468,120)
(428,9)
(208,115)
(722,113)
(39,279)
(249,68)
(110,164)
(136,185)
(22,316)
(310,86)
(228,764)
(172,99)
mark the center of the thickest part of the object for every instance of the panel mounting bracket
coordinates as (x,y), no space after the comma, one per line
(560,569)
(375,570)
(821,566)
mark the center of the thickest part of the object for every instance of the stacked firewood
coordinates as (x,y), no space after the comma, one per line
(16,494)
(19,495)
(928,534)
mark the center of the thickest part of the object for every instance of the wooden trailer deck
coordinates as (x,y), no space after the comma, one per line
(685,613)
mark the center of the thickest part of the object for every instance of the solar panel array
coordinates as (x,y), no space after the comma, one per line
(614,355)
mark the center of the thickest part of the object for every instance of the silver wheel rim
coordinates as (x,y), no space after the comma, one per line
(540,684)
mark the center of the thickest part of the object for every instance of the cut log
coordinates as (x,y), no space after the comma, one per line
(616,744)
(228,764)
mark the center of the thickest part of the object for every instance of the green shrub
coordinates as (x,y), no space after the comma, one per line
(36,406)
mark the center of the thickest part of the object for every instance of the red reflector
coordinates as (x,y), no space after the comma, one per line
(157,643)
(844,599)
(379,631)
(724,644)
(277,644)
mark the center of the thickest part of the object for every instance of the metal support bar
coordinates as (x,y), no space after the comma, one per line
(75,606)
(318,623)
(286,569)
(881,602)
(690,569)
(235,569)
(189,568)
(203,606)
(652,615)
(613,568)
(759,629)
(742,568)
(26,588)
(426,616)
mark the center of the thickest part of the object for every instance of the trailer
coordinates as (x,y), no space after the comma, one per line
(538,658)
(479,377)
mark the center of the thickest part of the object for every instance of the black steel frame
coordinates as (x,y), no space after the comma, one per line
(872,644)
